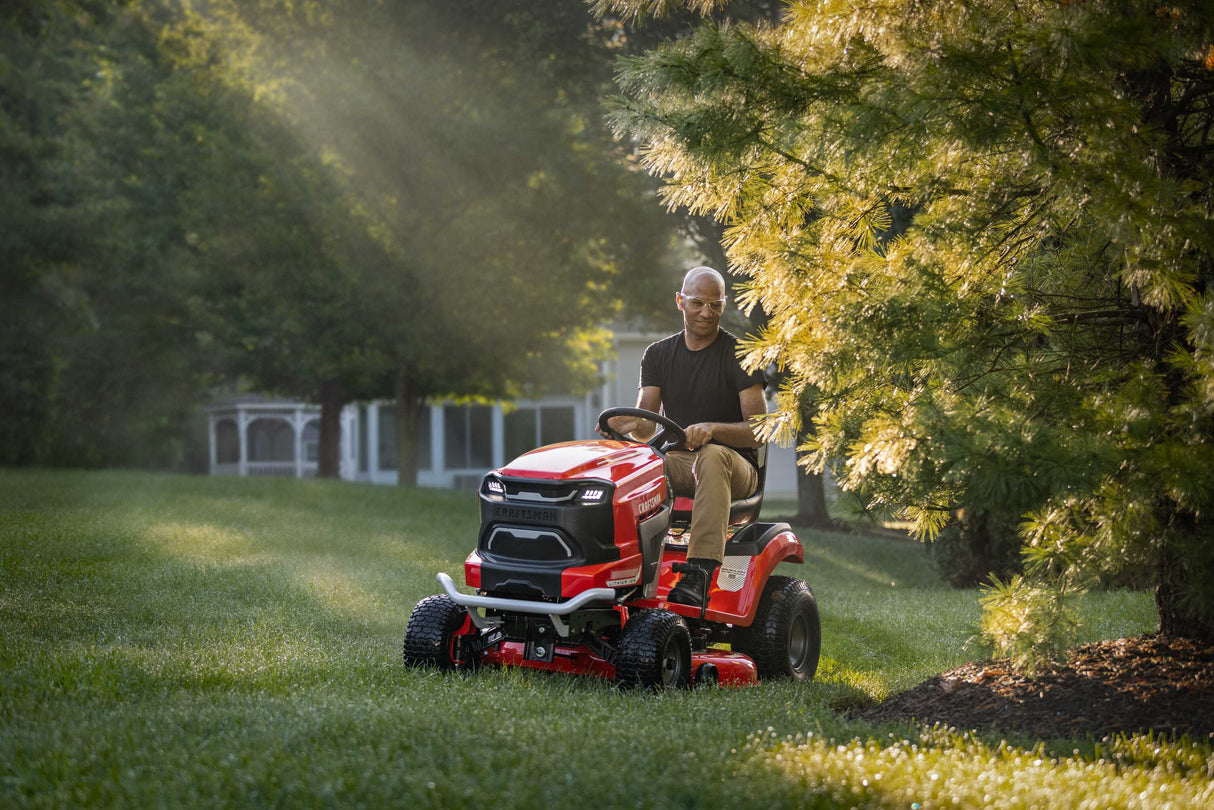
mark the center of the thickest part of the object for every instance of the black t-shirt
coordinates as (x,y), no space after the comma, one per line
(700,386)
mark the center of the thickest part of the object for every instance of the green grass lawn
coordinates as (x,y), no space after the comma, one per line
(180,641)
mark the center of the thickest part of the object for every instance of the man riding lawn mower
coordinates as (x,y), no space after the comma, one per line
(581,543)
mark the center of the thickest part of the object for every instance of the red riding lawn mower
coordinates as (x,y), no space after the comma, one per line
(573,565)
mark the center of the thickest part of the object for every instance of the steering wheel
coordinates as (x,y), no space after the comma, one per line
(668,437)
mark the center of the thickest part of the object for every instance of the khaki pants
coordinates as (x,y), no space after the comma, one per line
(713,475)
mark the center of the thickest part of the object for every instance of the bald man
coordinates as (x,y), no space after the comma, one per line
(695,379)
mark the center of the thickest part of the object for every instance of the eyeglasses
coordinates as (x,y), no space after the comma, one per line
(697,304)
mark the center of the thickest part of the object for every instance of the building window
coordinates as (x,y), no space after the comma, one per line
(363,430)
(529,428)
(424,438)
(271,440)
(556,425)
(227,442)
(468,437)
(520,429)
(311,441)
(387,437)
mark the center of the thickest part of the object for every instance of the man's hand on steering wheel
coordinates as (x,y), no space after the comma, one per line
(698,435)
(624,425)
(668,436)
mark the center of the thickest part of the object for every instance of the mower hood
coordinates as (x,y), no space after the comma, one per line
(606,460)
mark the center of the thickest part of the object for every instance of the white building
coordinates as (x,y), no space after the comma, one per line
(457,445)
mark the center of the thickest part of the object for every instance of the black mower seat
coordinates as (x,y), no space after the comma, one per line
(742,511)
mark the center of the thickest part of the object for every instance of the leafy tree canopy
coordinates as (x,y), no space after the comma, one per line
(508,222)
(98,362)
(320,197)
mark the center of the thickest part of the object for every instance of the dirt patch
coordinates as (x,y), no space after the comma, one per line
(1129,685)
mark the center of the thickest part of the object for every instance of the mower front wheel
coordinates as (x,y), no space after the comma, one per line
(430,637)
(654,651)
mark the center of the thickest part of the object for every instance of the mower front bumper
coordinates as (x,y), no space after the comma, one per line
(553,610)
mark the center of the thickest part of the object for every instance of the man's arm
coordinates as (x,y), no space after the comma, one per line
(735,434)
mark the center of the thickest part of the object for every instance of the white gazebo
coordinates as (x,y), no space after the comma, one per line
(251,435)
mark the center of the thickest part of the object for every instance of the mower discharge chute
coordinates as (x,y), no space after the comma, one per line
(572,568)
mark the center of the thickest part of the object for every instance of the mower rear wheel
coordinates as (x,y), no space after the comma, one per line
(654,651)
(430,634)
(785,639)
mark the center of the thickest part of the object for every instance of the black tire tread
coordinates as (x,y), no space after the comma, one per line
(765,640)
(639,652)
(428,635)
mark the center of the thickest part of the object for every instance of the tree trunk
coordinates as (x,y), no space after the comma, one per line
(811,501)
(811,495)
(332,400)
(1178,567)
(408,408)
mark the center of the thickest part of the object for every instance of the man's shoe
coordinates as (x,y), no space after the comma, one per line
(692,588)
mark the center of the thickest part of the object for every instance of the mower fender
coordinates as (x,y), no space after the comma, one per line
(733,596)
(736,601)
(553,610)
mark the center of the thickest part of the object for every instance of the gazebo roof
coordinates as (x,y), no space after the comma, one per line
(256,402)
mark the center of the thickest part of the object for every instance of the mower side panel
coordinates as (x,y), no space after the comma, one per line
(642,511)
(622,574)
(472,570)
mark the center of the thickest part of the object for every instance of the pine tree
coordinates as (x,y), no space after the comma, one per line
(982,230)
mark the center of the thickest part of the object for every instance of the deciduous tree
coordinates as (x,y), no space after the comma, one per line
(508,225)
(99,362)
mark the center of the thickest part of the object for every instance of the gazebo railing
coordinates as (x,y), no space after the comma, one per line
(285,469)
(279,469)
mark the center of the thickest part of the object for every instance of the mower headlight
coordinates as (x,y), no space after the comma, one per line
(494,487)
(593,495)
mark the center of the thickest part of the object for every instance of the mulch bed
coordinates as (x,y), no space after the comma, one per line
(1129,685)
